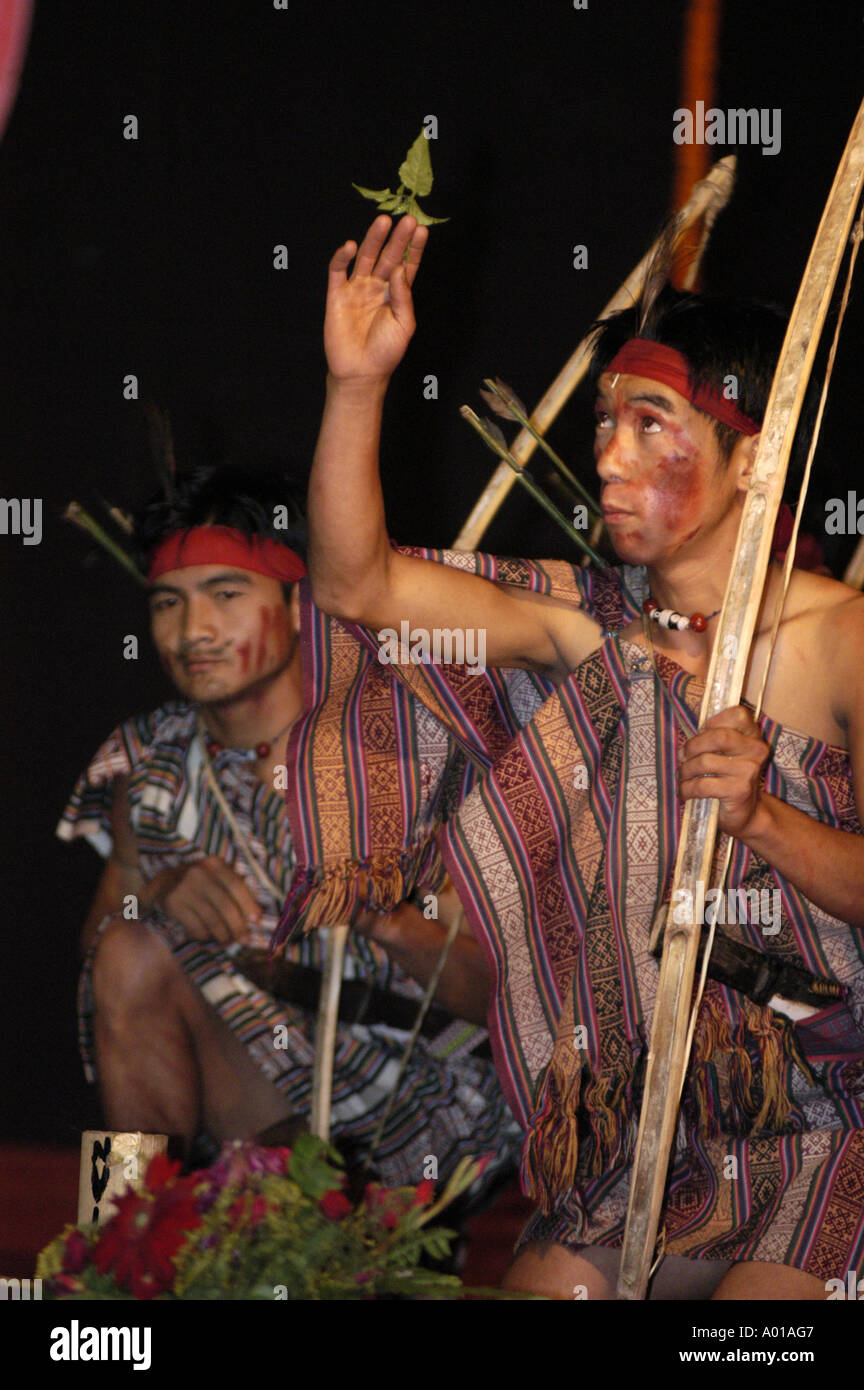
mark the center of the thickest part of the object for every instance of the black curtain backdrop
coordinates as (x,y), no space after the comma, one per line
(155,257)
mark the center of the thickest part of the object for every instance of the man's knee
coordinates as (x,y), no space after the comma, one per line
(556,1272)
(132,968)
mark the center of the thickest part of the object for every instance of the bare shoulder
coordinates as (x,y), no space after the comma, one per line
(820,603)
(829,616)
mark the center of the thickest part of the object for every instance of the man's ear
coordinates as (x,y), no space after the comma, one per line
(743,459)
(294,608)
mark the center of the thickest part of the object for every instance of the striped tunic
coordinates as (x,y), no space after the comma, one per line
(562,851)
(449,1102)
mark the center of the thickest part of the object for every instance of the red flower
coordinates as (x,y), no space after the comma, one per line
(146,1230)
(388,1204)
(160,1171)
(259,1209)
(335,1205)
(76,1253)
(424,1194)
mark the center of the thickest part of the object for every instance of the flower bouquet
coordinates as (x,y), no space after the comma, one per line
(261,1223)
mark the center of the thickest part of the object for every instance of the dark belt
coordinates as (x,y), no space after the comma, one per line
(359,1001)
(761,976)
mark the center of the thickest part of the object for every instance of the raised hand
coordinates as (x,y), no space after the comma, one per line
(370,315)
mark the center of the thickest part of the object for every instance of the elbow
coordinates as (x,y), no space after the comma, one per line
(339,601)
(352,598)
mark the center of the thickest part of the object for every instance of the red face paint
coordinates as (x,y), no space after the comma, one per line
(657,468)
(266,622)
(244,651)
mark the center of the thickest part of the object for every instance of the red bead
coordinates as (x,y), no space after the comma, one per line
(213,748)
(262,749)
(697,622)
(650,605)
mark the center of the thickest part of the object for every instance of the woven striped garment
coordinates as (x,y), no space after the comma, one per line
(562,849)
(449,1103)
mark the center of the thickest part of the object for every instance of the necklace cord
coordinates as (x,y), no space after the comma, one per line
(260,873)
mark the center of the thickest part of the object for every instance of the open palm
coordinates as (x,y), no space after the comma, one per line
(370,314)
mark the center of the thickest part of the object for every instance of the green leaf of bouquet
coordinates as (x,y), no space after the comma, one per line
(415,171)
(309,1166)
(376,194)
(423,217)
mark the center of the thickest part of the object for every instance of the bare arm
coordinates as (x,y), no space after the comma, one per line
(206,897)
(354,572)
(415,942)
(727,758)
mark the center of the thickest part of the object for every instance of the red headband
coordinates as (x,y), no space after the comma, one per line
(640,357)
(222,545)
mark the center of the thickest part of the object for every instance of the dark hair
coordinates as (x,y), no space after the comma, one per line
(222,495)
(719,336)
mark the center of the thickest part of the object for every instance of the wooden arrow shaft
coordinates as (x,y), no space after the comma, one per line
(668,1053)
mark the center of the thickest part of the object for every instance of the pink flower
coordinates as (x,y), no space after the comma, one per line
(335,1205)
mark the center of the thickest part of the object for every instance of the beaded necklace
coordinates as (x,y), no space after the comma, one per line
(667,617)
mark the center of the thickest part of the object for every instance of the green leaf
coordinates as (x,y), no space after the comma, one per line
(415,171)
(309,1167)
(423,217)
(376,194)
(396,203)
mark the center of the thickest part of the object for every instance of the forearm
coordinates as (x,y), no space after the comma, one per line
(119,882)
(415,943)
(825,864)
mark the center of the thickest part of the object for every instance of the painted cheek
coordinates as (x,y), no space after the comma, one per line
(678,489)
(269,624)
(244,651)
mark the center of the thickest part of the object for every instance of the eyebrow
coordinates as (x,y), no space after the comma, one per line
(227,577)
(648,397)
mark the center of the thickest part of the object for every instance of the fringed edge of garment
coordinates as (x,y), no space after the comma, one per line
(764,1110)
(322,897)
(577,1113)
(584,1123)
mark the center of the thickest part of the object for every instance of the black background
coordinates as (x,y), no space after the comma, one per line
(155,257)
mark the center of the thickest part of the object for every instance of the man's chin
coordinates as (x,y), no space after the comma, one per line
(631,549)
(204,689)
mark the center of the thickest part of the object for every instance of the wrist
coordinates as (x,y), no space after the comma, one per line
(153,891)
(761,829)
(357,390)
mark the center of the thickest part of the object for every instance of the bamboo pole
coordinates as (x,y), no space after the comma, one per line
(325,1032)
(668,1052)
(708,197)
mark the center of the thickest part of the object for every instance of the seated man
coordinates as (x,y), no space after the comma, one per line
(563,851)
(190,1031)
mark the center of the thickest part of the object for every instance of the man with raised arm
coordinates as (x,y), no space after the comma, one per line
(575,767)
